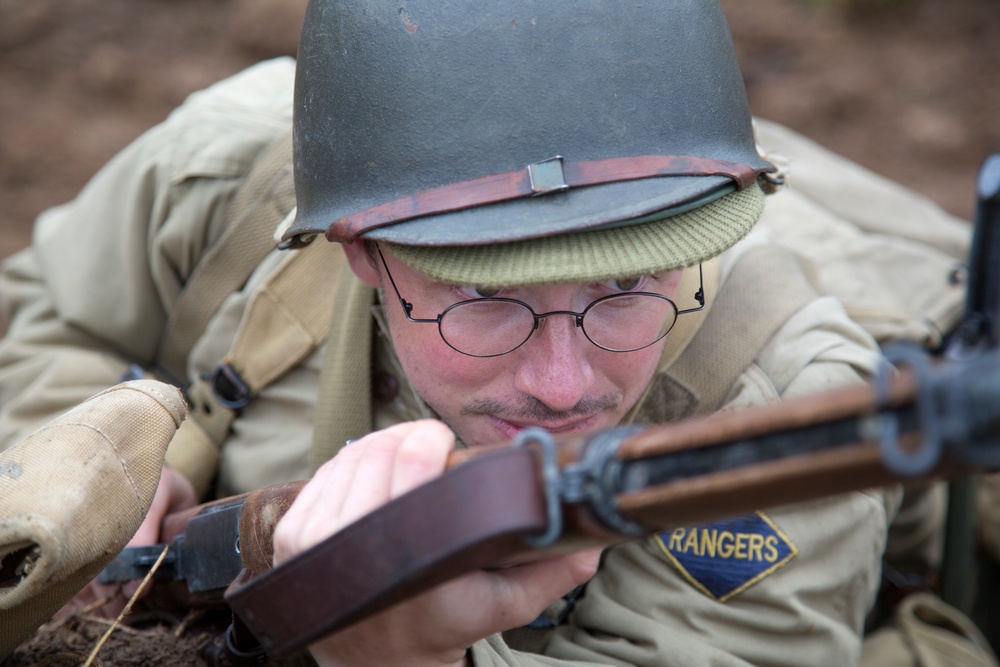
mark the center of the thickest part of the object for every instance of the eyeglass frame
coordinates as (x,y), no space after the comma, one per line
(407,307)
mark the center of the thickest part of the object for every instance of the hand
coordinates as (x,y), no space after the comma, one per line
(437,627)
(174,493)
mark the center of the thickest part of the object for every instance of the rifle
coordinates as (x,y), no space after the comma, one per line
(934,418)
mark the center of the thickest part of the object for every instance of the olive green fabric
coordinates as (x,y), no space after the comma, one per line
(345,383)
(670,243)
(73,494)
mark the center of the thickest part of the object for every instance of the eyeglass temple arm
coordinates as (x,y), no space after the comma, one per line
(407,306)
(699,296)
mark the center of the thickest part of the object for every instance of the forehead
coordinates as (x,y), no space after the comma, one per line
(400,268)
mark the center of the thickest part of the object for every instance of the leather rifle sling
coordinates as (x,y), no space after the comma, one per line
(419,540)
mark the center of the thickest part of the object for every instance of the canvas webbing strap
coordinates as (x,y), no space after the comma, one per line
(765,287)
(344,409)
(259,204)
(285,321)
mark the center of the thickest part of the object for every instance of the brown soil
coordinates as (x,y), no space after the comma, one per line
(157,633)
(905,87)
(71,642)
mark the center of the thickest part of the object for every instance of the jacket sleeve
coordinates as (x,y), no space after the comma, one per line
(93,292)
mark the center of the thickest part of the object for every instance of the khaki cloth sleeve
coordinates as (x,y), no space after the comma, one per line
(784,586)
(92,293)
(492,652)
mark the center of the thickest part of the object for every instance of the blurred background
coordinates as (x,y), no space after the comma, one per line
(909,88)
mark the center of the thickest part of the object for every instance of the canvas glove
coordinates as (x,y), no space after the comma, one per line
(73,493)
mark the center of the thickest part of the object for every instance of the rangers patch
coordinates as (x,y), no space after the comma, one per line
(724,558)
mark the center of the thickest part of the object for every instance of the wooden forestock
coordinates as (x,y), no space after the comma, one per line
(850,466)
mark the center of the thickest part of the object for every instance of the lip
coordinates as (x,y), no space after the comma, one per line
(510,429)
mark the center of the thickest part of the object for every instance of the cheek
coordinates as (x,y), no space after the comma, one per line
(630,372)
(437,372)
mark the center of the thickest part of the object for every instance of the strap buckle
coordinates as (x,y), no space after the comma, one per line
(547,176)
(229,388)
(589,482)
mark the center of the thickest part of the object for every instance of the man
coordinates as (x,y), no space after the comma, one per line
(482,282)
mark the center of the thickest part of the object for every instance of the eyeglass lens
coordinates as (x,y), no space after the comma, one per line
(619,323)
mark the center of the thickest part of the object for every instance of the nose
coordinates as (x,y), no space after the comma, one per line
(554,365)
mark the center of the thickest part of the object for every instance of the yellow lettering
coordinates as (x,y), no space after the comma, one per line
(725,550)
(771,542)
(692,543)
(741,547)
(712,543)
(708,539)
(675,539)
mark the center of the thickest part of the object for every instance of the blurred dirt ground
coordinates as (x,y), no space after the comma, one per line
(906,87)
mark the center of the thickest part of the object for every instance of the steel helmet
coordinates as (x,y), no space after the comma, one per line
(519,141)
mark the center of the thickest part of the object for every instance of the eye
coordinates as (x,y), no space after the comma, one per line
(472,292)
(625,284)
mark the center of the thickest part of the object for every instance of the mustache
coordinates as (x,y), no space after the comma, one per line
(530,408)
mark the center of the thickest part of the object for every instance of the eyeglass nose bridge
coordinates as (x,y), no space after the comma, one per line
(577,317)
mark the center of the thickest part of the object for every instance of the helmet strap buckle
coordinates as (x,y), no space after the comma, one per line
(547,176)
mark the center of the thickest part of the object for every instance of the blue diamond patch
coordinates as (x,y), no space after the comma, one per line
(724,558)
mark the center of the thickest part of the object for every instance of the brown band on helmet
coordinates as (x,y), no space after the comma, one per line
(519,184)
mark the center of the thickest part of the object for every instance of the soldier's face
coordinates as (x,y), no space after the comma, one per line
(557,380)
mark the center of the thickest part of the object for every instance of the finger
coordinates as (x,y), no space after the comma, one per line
(326,491)
(149,529)
(173,493)
(182,493)
(507,598)
(370,485)
(340,492)
(526,590)
(421,456)
(312,516)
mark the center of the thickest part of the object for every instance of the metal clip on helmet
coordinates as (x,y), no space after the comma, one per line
(521,142)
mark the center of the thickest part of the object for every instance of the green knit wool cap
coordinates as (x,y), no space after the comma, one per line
(671,242)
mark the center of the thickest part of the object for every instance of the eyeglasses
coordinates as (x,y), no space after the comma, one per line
(490,327)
